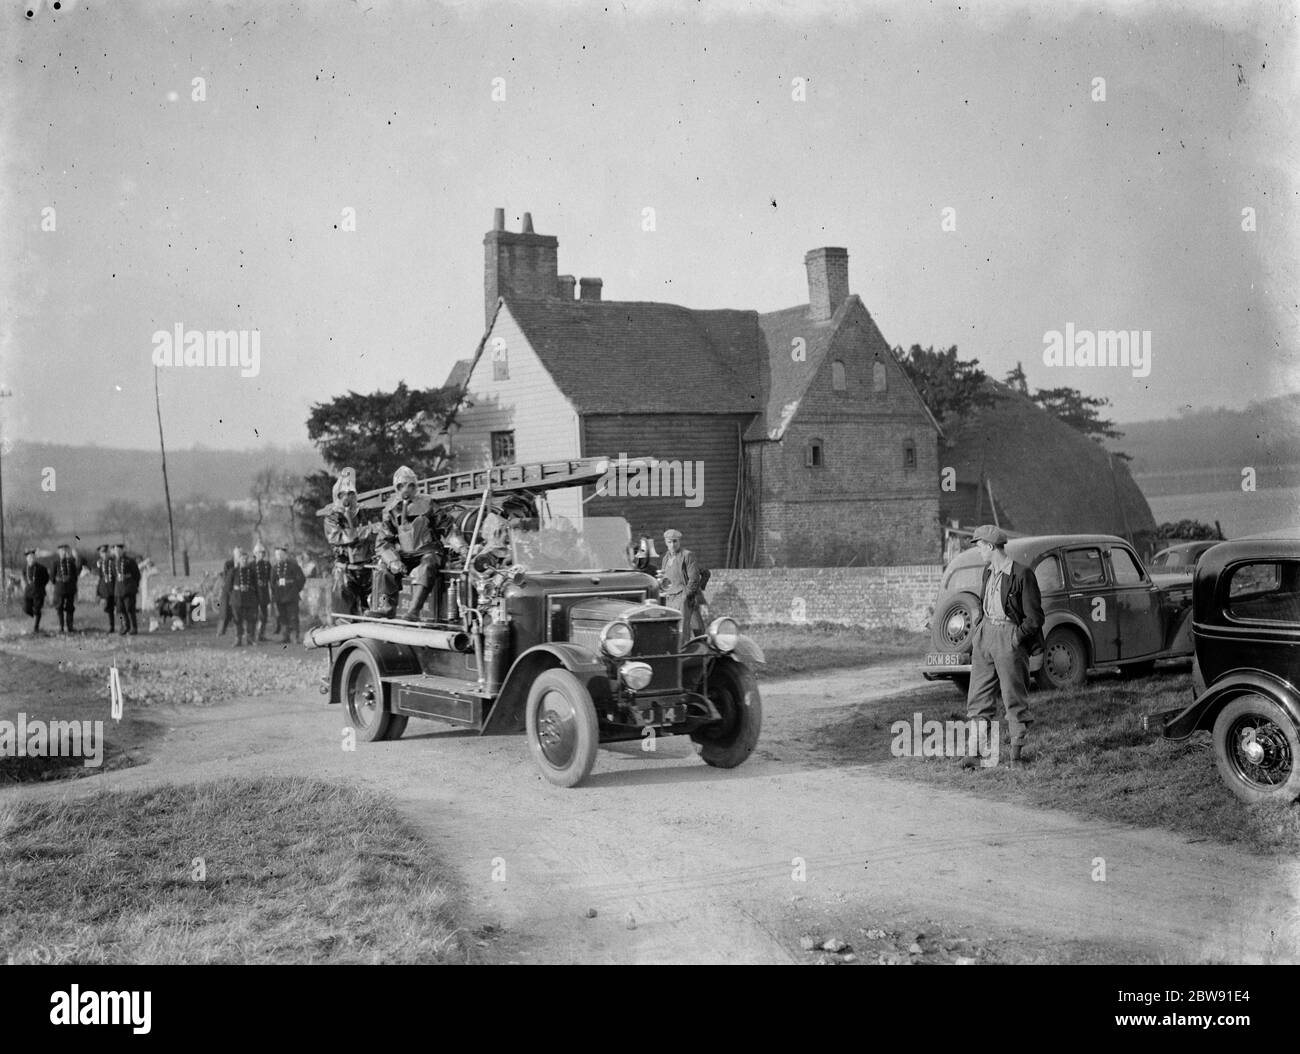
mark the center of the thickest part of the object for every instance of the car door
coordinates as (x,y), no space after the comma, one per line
(1137,605)
(1088,580)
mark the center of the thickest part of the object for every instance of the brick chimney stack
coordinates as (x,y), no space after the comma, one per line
(564,288)
(589,288)
(523,266)
(828,281)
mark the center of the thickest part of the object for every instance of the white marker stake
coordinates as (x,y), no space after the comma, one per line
(115,692)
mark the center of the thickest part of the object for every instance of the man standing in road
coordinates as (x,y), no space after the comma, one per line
(287,581)
(36,576)
(1010,629)
(67,569)
(104,588)
(126,584)
(263,568)
(679,583)
(244,592)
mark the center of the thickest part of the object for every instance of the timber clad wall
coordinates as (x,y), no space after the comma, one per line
(708,438)
(874,597)
(528,403)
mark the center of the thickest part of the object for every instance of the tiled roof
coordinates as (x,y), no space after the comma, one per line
(612,356)
(786,379)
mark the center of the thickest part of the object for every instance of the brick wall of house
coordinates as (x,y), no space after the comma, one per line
(873,597)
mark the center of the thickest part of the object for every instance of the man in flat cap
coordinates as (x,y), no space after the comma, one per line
(680,584)
(67,569)
(36,576)
(1011,627)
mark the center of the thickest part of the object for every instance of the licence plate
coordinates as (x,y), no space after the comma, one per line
(944,658)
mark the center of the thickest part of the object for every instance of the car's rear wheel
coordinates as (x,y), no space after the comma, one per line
(365,697)
(1256,748)
(733,690)
(562,729)
(1065,660)
(954,622)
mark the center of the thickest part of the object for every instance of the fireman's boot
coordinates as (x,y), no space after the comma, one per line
(417,602)
(388,608)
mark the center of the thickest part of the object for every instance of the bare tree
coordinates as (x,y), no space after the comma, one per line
(263,493)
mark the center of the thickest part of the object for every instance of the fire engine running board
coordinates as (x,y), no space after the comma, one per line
(441,698)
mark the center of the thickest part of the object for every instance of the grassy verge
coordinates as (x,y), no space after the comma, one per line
(820,646)
(1090,756)
(293,870)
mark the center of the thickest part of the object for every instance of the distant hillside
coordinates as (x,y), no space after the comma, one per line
(87,478)
(1207,449)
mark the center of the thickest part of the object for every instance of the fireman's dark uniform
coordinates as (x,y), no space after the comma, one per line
(412,539)
(104,588)
(354,551)
(126,584)
(263,568)
(244,591)
(36,577)
(67,568)
(287,581)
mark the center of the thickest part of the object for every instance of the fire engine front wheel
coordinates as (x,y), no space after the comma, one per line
(726,743)
(561,728)
(364,698)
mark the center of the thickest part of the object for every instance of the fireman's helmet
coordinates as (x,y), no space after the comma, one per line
(403,476)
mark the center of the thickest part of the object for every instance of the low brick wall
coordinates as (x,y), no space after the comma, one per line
(872,597)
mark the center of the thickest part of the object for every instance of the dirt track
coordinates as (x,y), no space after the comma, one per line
(704,860)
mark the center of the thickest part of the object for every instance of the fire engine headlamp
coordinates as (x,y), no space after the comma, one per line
(724,634)
(636,675)
(616,640)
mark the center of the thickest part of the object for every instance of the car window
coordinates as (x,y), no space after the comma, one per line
(967,578)
(1267,591)
(1127,572)
(1048,573)
(1085,567)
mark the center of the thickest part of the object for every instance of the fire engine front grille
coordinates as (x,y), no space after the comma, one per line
(656,638)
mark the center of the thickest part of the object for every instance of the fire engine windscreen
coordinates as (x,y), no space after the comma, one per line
(601,544)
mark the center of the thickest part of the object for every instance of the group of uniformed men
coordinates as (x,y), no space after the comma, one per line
(251,584)
(118,586)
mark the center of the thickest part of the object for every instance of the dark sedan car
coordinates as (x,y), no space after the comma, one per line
(1100,609)
(1246,621)
(1181,558)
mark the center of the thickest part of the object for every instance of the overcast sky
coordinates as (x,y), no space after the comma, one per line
(221,214)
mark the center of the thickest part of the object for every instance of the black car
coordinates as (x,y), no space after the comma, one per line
(1246,625)
(544,629)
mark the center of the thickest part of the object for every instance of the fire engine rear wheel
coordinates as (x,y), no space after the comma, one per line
(726,743)
(1257,750)
(365,697)
(561,726)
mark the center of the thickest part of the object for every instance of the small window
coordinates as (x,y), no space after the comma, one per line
(1127,572)
(838,379)
(812,455)
(500,360)
(909,455)
(503,448)
(1265,592)
(1048,573)
(879,380)
(1085,566)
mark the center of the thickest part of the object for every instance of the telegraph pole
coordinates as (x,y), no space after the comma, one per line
(4,394)
(167,492)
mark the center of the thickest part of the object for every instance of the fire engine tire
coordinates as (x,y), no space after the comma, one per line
(560,722)
(396,726)
(365,697)
(1065,660)
(733,689)
(954,621)
(1257,750)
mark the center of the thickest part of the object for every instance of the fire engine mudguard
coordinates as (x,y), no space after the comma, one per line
(507,716)
(1202,713)
(393,660)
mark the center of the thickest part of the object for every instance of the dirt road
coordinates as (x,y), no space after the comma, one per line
(718,866)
